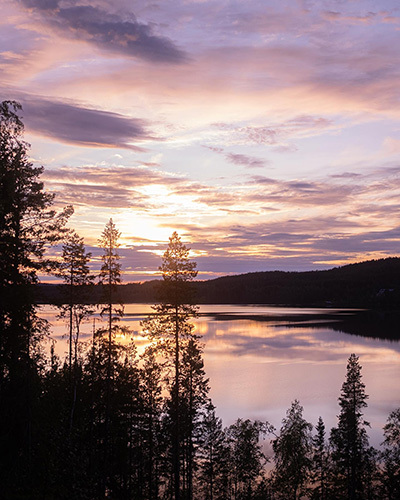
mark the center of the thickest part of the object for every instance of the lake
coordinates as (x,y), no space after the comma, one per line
(257,367)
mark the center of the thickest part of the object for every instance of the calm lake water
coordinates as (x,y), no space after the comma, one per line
(257,368)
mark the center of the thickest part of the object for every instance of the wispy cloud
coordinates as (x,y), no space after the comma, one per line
(278,135)
(118,187)
(124,35)
(240,158)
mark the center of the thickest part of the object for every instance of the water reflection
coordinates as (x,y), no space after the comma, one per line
(257,368)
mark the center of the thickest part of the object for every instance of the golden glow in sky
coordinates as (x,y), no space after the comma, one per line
(265,133)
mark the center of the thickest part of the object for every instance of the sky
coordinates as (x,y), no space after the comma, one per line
(266,133)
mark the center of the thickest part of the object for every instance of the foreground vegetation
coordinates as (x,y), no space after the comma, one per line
(108,423)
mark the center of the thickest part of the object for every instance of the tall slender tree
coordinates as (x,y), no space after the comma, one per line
(320,463)
(349,440)
(110,277)
(75,272)
(77,282)
(27,226)
(171,328)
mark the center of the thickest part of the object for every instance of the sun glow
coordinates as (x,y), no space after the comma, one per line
(141,230)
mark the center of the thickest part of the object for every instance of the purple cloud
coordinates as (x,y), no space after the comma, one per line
(239,158)
(108,31)
(83,126)
(246,161)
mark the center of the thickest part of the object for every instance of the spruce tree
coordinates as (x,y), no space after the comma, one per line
(320,463)
(193,402)
(349,440)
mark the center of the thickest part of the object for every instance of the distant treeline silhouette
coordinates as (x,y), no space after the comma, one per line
(370,284)
(106,422)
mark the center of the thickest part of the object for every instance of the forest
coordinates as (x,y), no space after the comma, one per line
(370,284)
(106,422)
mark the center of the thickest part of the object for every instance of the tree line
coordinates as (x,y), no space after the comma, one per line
(106,422)
(370,284)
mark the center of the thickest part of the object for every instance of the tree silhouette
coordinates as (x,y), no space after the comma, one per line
(77,281)
(320,463)
(247,458)
(74,270)
(110,277)
(293,451)
(214,463)
(27,225)
(193,401)
(170,328)
(349,439)
(150,424)
(390,476)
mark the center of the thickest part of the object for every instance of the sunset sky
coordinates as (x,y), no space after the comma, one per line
(266,133)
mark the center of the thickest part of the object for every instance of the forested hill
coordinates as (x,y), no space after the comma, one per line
(370,283)
(374,283)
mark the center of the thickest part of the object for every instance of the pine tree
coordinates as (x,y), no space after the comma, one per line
(170,328)
(293,452)
(349,441)
(108,350)
(110,277)
(74,270)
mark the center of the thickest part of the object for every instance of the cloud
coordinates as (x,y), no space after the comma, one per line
(240,158)
(118,187)
(124,35)
(276,134)
(129,177)
(259,135)
(300,192)
(346,175)
(83,126)
(247,161)
(101,196)
(367,18)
